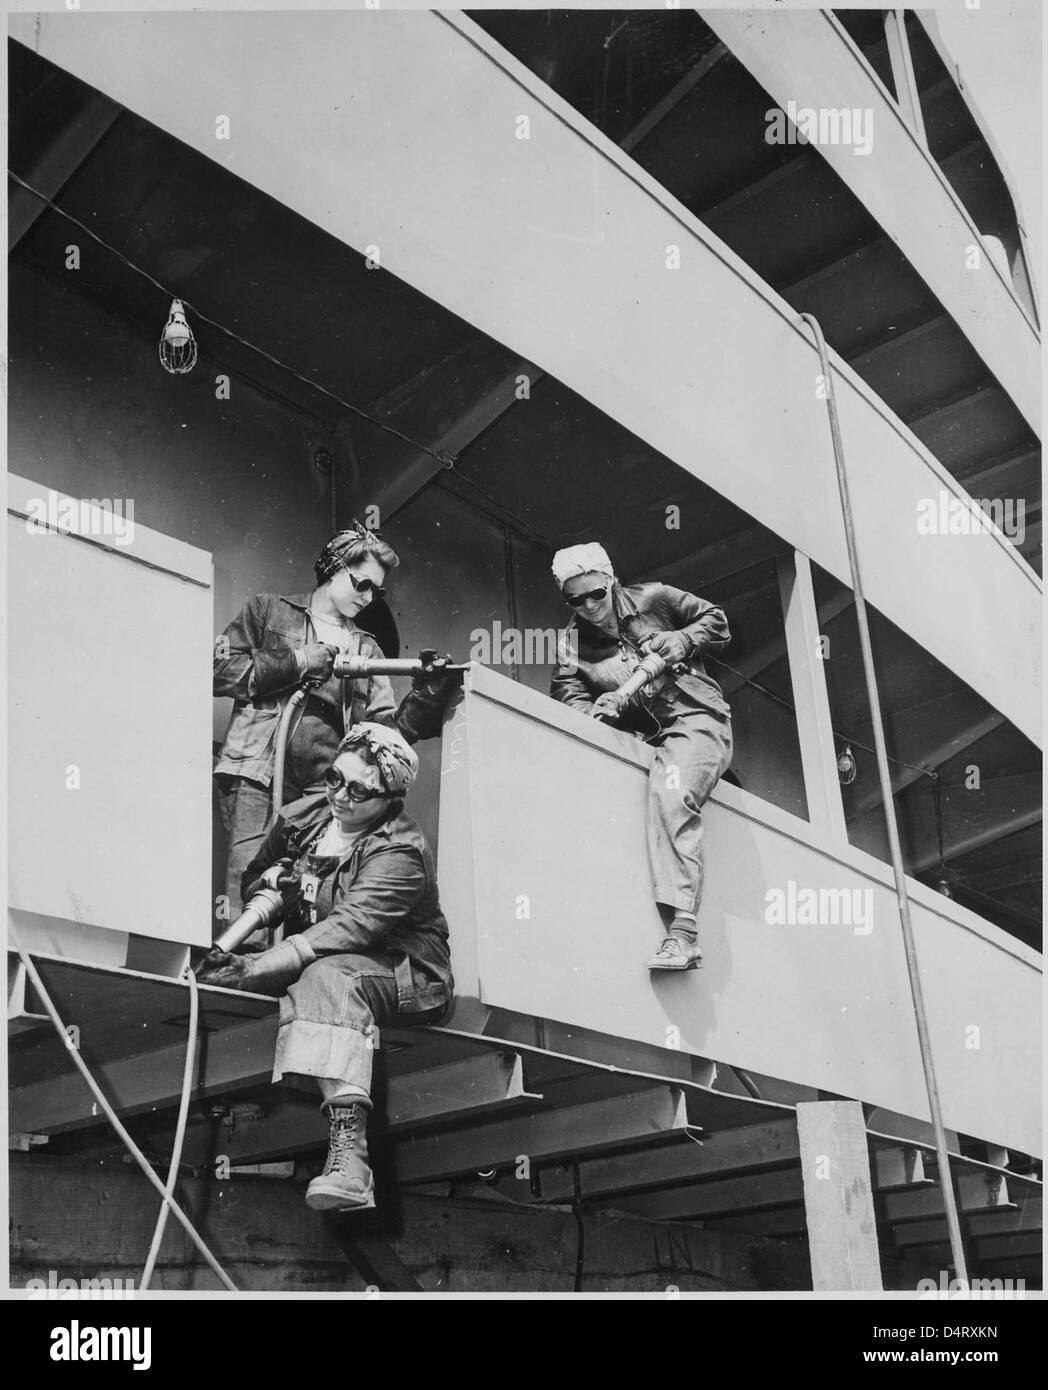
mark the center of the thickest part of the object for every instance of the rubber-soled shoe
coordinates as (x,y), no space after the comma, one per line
(346,1184)
(675,954)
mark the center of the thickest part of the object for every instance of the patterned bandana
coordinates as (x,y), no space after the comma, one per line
(581,559)
(395,758)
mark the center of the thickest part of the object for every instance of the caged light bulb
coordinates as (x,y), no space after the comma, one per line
(178,349)
(847,768)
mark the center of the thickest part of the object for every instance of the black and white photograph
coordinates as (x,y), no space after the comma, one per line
(522,631)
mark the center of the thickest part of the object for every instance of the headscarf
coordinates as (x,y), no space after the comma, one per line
(394,757)
(590,558)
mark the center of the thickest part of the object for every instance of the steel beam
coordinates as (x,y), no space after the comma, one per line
(447,408)
(235,1058)
(975,1192)
(727,1152)
(1018,820)
(1026,1219)
(721,1198)
(760,660)
(492,1081)
(640,1117)
(674,97)
(58,163)
(935,757)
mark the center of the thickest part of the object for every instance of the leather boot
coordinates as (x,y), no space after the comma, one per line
(346,1183)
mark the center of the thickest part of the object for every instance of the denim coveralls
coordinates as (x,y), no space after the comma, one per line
(261,666)
(686,719)
(378,953)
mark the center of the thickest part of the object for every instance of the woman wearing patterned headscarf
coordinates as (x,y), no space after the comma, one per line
(682,713)
(275,645)
(368,943)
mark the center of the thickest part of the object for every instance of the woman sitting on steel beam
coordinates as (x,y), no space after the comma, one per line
(369,943)
(274,646)
(681,712)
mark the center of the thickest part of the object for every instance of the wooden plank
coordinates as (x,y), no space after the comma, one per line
(838,1196)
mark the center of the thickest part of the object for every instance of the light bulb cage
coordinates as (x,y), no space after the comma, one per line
(847,767)
(177,348)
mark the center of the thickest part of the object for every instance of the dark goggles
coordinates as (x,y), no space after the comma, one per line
(577,600)
(356,791)
(362,586)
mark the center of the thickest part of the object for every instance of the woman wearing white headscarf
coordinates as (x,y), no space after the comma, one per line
(369,943)
(682,713)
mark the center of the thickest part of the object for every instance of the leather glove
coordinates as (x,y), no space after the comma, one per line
(290,889)
(320,659)
(605,707)
(269,972)
(673,647)
(434,682)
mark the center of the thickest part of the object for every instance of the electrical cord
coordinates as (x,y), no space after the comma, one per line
(443,457)
(111,1115)
(180,1129)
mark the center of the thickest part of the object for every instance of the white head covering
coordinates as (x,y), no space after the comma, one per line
(590,558)
(397,761)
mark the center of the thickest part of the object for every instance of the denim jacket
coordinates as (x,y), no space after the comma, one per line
(382,897)
(643,609)
(262,663)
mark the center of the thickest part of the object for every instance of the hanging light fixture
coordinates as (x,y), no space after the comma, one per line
(178,349)
(847,767)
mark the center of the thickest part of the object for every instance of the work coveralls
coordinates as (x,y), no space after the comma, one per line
(260,663)
(685,718)
(378,953)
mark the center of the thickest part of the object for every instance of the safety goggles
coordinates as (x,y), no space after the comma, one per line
(362,586)
(577,600)
(356,791)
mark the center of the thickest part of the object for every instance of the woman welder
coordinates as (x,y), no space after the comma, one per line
(369,943)
(682,713)
(274,645)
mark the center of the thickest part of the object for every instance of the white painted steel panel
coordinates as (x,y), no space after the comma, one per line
(810,61)
(555,829)
(109,658)
(556,247)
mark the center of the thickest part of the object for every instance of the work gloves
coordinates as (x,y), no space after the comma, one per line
(421,712)
(673,647)
(269,972)
(320,659)
(434,682)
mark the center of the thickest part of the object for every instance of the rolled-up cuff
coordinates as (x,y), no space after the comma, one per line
(339,1053)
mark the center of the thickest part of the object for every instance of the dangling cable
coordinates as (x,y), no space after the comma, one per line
(114,1120)
(180,1129)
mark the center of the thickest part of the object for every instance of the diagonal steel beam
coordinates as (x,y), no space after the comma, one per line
(674,97)
(53,169)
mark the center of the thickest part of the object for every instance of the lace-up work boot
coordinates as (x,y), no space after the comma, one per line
(346,1183)
(677,953)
